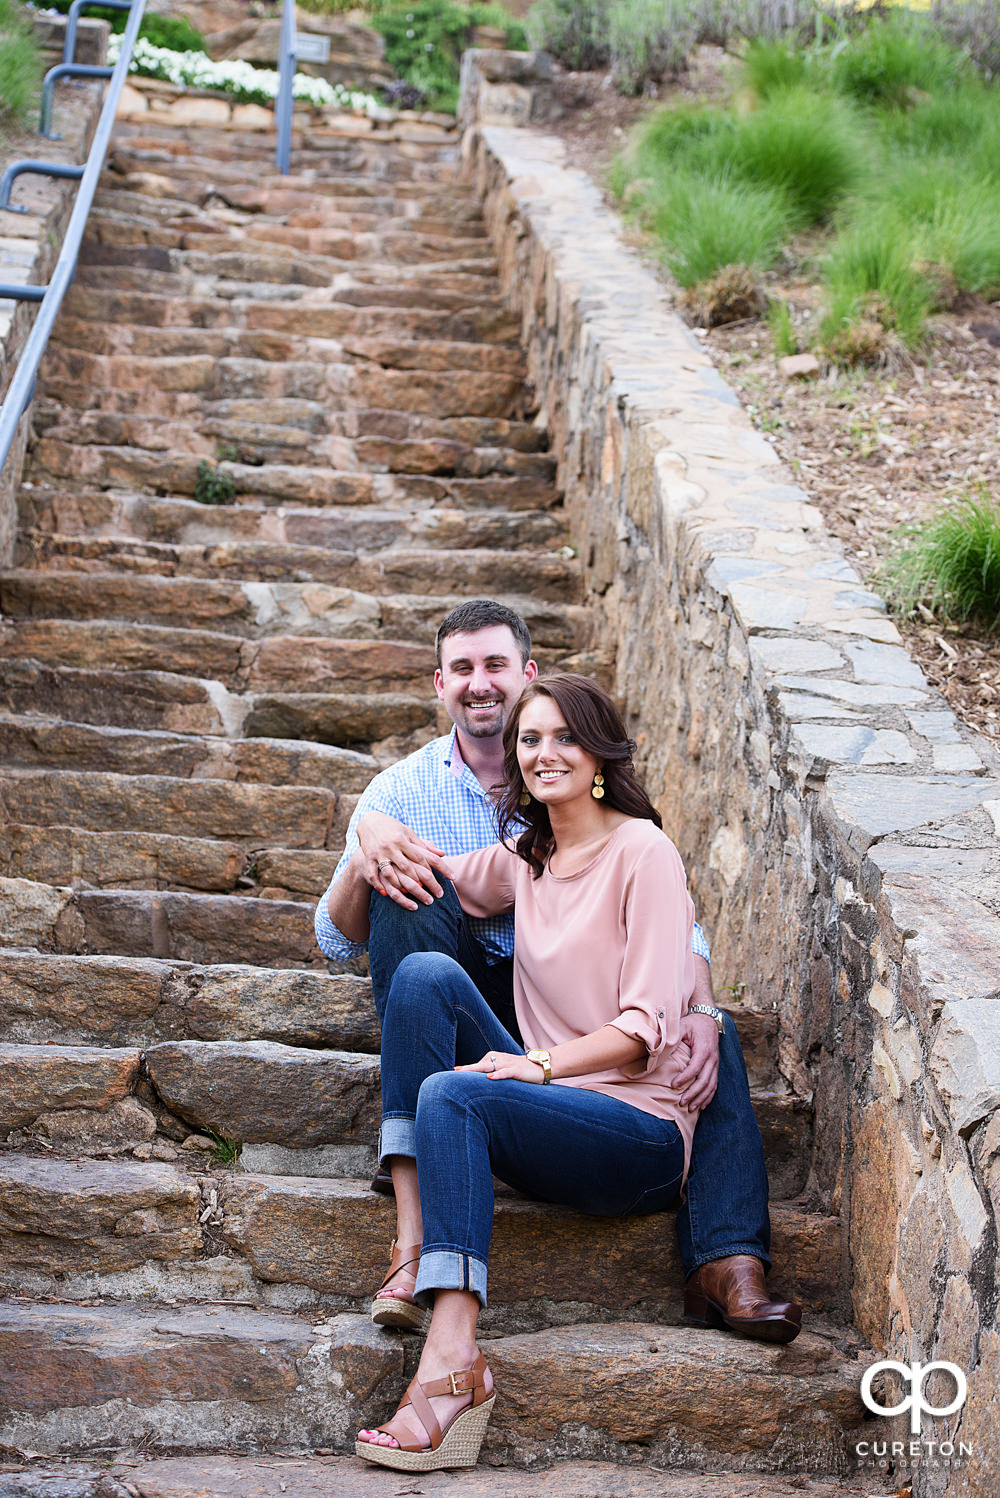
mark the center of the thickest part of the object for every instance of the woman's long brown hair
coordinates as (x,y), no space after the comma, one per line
(596,724)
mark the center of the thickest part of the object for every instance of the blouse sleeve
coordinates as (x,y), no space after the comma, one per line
(484,880)
(657,974)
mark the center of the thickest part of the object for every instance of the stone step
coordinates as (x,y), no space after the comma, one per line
(129,386)
(449,286)
(31,742)
(245,813)
(230,199)
(501,574)
(328,1236)
(182,1378)
(123,1001)
(200,928)
(360,310)
(274,663)
(166,702)
(385,346)
(313,1476)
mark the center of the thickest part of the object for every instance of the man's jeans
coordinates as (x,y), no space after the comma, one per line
(724,1210)
(559,1144)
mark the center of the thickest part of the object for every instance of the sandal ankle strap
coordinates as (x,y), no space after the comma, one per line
(398,1262)
(462,1381)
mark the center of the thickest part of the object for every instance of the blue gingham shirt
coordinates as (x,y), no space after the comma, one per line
(435,793)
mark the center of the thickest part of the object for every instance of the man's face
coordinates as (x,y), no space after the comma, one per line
(481,678)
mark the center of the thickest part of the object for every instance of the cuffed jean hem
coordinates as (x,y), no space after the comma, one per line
(753,1250)
(448,1269)
(397,1136)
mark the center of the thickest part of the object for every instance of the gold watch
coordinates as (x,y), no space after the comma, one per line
(544,1060)
(716,1014)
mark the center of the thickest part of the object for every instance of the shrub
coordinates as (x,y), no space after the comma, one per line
(972,26)
(425,39)
(574,31)
(173,32)
(893,59)
(873,275)
(807,145)
(707,224)
(20,63)
(951,564)
(648,40)
(770,66)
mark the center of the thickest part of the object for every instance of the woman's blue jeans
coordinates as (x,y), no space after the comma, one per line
(724,1210)
(559,1144)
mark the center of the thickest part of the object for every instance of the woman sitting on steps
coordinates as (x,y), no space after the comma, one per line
(603,972)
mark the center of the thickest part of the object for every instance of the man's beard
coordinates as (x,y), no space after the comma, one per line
(488,725)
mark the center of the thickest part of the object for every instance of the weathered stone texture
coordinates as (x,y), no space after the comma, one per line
(733,617)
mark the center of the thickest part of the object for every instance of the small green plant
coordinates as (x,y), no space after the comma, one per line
(574,31)
(779,320)
(951,564)
(212,486)
(20,63)
(227,1151)
(173,32)
(770,66)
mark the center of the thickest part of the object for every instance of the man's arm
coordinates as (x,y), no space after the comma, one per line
(701,1032)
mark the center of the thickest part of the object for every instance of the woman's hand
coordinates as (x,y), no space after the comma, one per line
(397,862)
(501,1066)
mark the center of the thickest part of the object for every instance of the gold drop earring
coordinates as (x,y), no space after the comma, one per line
(524,798)
(597,789)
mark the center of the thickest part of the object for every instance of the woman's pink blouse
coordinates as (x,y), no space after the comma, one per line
(610,945)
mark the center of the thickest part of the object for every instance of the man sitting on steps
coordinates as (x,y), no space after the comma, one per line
(437,802)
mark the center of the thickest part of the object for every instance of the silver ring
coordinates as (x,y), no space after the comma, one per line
(384,863)
(494,1060)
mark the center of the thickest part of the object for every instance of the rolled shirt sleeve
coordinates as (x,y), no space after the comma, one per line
(332,941)
(657,975)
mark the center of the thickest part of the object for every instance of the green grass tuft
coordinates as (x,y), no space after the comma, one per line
(951,564)
(783,335)
(20,63)
(894,60)
(874,271)
(709,223)
(807,145)
(772,66)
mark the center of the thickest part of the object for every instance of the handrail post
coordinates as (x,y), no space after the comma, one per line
(69,40)
(286,82)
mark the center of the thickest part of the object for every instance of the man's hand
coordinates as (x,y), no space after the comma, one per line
(397,862)
(700,1075)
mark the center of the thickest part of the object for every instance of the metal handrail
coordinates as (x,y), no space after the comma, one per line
(69,40)
(22,386)
(52,77)
(283,104)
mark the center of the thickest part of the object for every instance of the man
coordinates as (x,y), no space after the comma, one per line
(437,803)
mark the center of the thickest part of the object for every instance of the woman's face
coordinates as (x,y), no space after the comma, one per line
(554,768)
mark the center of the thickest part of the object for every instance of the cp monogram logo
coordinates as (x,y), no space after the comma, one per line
(914,1374)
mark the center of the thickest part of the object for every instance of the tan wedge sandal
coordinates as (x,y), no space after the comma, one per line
(400,1309)
(455,1446)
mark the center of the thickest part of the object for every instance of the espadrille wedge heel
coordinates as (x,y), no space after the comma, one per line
(455,1446)
(399,1308)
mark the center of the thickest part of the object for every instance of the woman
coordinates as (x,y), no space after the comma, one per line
(603,972)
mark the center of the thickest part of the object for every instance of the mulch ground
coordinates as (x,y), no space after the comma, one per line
(874,450)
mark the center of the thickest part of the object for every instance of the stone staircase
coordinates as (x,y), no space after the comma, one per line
(192,695)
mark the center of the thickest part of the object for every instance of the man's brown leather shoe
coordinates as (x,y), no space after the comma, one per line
(731,1293)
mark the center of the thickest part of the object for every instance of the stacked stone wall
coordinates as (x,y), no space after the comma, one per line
(839,828)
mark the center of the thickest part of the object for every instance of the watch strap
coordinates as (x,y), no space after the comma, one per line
(716,1014)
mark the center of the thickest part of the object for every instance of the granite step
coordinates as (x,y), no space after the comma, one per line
(249,814)
(319,1476)
(358,310)
(28,741)
(551,576)
(126,1001)
(274,663)
(183,1378)
(75,1217)
(162,701)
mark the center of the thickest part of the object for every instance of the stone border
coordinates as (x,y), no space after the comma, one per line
(30,242)
(840,828)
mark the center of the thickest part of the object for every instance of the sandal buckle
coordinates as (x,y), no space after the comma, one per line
(454,1386)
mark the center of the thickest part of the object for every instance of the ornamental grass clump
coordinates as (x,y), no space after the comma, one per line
(708,224)
(894,60)
(951,564)
(20,63)
(874,276)
(806,145)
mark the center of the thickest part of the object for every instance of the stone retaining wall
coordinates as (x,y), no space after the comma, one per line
(841,830)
